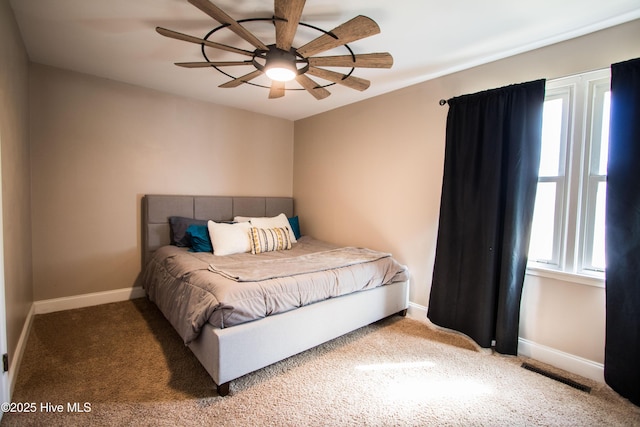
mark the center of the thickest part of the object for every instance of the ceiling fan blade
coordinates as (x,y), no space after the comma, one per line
(355,29)
(243,79)
(291,10)
(219,15)
(184,37)
(277,89)
(214,63)
(349,81)
(366,60)
(312,87)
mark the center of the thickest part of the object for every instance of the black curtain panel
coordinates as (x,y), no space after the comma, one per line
(492,156)
(622,234)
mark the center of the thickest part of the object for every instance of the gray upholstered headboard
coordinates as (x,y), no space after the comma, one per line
(156,210)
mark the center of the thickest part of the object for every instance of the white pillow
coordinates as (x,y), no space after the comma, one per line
(279,221)
(228,239)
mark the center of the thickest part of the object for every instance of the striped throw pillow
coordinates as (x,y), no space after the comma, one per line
(269,239)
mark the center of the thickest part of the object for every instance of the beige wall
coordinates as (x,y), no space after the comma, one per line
(99,145)
(371,174)
(15,177)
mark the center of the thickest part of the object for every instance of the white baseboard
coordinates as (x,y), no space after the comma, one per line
(14,365)
(417,311)
(559,359)
(87,300)
(569,362)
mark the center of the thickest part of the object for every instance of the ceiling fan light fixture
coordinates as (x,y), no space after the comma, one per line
(281,71)
(280,66)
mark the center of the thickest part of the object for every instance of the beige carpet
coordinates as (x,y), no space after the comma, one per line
(126,362)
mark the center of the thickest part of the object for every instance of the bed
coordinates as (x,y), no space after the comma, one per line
(238,317)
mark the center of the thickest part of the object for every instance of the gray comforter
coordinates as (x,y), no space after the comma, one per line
(192,289)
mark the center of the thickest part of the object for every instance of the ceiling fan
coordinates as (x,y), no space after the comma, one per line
(283,62)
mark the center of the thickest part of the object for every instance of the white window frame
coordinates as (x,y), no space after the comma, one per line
(592,176)
(576,185)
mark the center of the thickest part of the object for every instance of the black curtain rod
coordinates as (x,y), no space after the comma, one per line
(442,102)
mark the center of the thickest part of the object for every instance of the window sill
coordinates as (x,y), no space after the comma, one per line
(583,279)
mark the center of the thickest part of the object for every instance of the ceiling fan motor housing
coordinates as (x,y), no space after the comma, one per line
(278,58)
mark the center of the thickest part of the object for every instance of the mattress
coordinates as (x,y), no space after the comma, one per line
(196,288)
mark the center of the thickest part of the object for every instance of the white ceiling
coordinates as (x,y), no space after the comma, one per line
(116,39)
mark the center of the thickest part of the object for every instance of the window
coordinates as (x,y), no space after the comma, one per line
(568,219)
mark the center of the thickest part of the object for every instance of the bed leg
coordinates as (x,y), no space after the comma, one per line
(403,313)
(223,389)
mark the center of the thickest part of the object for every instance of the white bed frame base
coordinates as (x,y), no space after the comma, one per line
(230,353)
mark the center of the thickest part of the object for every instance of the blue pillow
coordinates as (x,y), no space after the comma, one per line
(199,237)
(178,227)
(295,226)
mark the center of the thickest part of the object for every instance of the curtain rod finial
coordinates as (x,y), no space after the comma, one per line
(442,101)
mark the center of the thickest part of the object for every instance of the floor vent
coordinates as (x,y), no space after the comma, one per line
(556,377)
